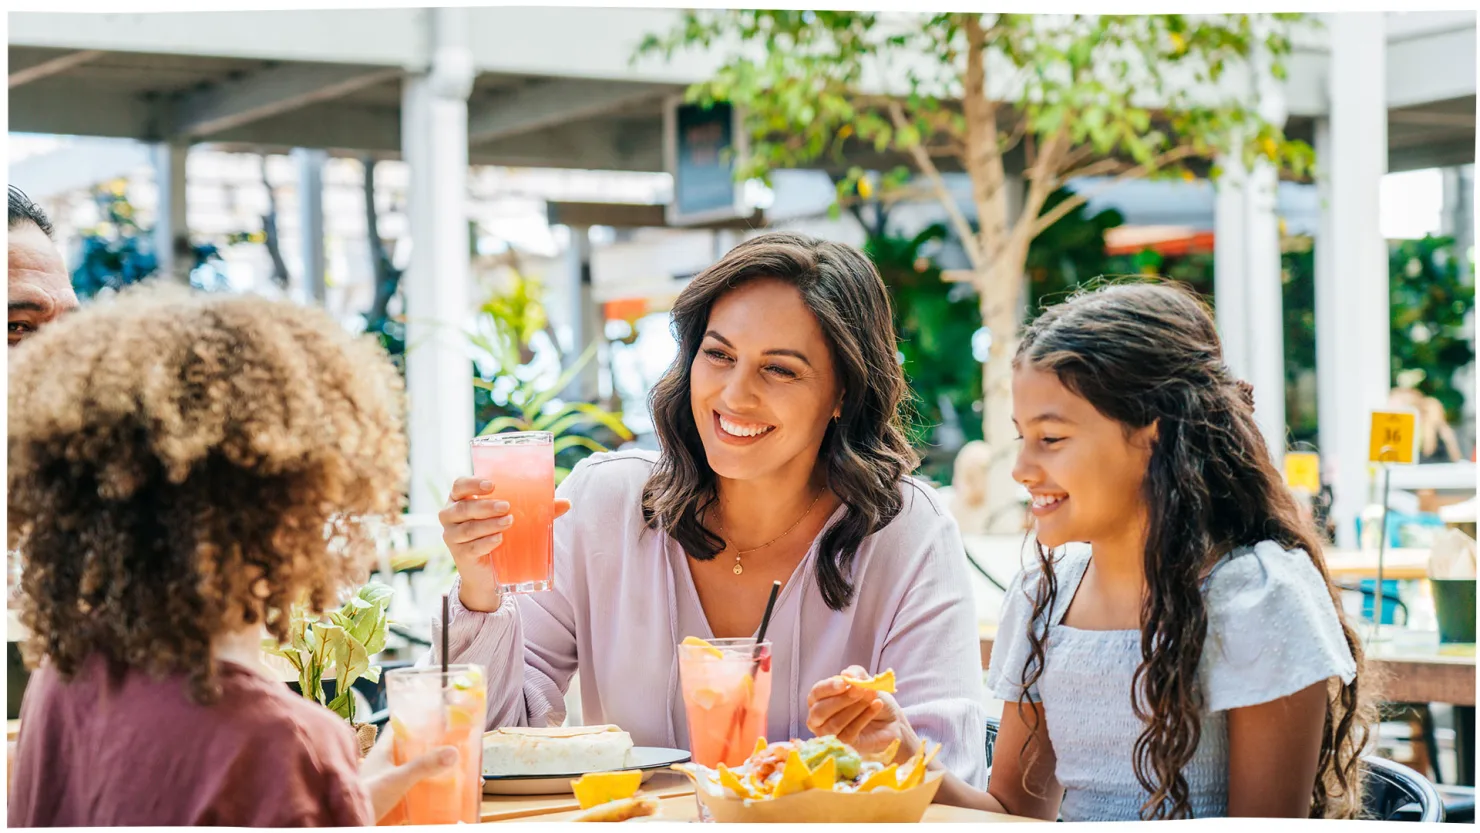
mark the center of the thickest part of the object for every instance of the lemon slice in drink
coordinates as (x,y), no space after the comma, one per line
(400,730)
(696,642)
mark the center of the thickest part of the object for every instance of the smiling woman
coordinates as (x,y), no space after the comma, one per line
(783,460)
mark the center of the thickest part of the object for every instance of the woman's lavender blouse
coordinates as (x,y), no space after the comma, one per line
(624,598)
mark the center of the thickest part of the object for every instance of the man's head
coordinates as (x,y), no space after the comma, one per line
(40,289)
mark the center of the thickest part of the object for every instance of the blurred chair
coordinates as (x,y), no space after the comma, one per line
(1396,793)
(993,724)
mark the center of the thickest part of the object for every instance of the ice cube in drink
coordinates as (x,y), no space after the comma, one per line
(522,468)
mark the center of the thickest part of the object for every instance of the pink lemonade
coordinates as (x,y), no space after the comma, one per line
(522,469)
(430,709)
(726,707)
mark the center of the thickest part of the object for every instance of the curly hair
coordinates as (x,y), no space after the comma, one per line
(184,465)
(1149,353)
(865,451)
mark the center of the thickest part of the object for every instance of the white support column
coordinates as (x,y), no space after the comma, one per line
(584,319)
(1361,356)
(1458,218)
(310,161)
(434,135)
(1264,303)
(1230,258)
(171,230)
(1328,389)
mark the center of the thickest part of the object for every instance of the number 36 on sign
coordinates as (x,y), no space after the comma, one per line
(1394,437)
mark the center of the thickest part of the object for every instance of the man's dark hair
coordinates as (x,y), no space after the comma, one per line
(22,210)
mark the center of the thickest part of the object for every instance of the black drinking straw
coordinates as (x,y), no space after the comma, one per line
(760,637)
(446,615)
(755,666)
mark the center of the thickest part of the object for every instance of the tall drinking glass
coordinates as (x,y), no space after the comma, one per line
(431,708)
(522,469)
(726,696)
(725,704)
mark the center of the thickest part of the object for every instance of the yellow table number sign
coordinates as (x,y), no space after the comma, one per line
(1394,437)
(1303,471)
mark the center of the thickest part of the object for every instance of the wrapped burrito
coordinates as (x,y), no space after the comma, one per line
(555,750)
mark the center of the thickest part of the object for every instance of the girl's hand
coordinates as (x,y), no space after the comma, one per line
(387,783)
(864,719)
(473,525)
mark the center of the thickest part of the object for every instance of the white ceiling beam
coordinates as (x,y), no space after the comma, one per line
(269,93)
(1436,67)
(67,107)
(52,66)
(333,126)
(376,37)
(551,103)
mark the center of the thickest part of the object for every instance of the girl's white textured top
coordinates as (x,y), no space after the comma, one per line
(1272,631)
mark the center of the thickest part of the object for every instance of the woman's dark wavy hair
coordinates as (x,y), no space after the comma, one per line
(1149,353)
(865,450)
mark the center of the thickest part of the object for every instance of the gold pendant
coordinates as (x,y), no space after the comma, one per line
(738,569)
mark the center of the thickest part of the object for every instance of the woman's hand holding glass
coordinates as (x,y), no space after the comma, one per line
(473,525)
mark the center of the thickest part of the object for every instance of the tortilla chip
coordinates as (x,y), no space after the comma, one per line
(915,773)
(760,744)
(825,776)
(887,756)
(728,779)
(795,777)
(627,808)
(879,682)
(886,777)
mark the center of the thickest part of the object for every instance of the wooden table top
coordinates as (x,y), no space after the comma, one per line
(1397,564)
(1413,667)
(510,807)
(685,808)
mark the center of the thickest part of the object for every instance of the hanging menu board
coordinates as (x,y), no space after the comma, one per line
(701,145)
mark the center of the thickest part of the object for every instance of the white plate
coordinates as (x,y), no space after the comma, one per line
(648,759)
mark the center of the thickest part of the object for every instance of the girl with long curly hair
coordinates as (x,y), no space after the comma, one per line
(183,469)
(1193,660)
(782,459)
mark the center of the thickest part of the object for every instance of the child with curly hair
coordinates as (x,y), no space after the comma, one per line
(183,469)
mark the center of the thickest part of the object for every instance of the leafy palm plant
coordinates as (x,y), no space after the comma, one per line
(533,407)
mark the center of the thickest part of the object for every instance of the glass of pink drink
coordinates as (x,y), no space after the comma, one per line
(726,706)
(431,708)
(522,468)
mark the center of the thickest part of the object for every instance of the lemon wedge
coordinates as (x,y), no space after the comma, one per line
(600,787)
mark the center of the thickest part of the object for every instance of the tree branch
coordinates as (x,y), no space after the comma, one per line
(1019,130)
(1076,156)
(1102,166)
(953,211)
(1079,199)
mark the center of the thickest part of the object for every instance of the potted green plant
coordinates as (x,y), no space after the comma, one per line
(342,643)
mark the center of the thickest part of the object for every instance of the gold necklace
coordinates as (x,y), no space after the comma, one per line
(737,569)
